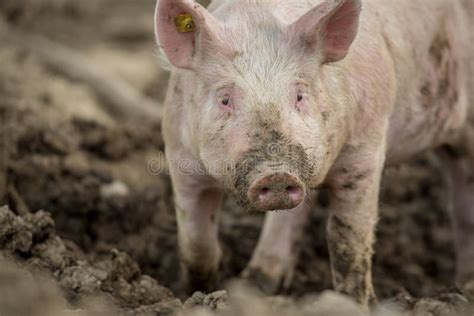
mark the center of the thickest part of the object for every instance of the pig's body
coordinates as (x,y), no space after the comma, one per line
(401,89)
(427,45)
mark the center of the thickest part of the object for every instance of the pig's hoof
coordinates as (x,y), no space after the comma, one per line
(257,278)
(194,280)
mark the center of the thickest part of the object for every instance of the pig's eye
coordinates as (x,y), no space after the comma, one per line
(299,97)
(225,101)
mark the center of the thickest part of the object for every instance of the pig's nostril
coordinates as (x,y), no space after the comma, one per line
(265,190)
(295,193)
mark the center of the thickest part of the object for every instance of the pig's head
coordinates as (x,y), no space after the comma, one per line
(260,108)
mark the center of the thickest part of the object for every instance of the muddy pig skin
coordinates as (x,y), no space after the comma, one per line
(271,99)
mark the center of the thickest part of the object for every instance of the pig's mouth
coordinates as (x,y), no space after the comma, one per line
(272,175)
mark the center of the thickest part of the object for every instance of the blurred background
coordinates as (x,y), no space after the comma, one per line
(81,90)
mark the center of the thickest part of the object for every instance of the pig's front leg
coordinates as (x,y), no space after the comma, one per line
(354,189)
(273,261)
(197,205)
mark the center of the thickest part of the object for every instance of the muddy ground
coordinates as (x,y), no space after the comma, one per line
(88,227)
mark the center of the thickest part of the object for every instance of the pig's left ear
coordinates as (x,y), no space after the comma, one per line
(181,27)
(331,27)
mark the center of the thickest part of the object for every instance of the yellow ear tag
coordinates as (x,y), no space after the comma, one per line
(184,23)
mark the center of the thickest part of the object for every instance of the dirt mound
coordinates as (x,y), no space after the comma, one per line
(32,241)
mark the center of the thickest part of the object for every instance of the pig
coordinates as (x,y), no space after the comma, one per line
(270,100)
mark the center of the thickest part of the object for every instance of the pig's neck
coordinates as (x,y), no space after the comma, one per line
(341,97)
(365,83)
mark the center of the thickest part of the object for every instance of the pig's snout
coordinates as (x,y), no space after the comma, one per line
(278,191)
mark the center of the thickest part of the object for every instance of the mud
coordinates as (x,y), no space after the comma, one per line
(272,152)
(90,227)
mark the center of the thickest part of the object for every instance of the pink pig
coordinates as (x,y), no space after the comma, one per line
(272,99)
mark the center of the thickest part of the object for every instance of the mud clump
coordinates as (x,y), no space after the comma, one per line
(33,242)
(23,293)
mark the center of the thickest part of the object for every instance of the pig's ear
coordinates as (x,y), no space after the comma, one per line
(331,27)
(180,27)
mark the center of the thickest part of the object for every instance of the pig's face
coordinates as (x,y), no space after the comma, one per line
(262,126)
(260,118)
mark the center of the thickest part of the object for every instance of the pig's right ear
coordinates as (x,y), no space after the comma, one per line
(181,27)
